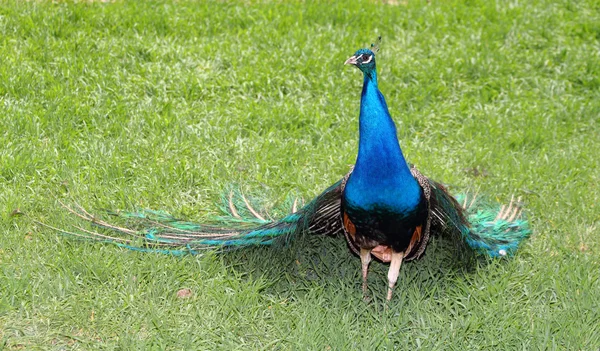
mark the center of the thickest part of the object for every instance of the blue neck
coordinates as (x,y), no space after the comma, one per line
(381,176)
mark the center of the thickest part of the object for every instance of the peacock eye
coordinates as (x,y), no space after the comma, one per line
(366,58)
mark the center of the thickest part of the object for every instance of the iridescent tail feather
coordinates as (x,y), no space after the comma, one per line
(241,226)
(158,231)
(496,230)
(485,227)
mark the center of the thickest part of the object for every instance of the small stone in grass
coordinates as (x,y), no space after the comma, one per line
(184,293)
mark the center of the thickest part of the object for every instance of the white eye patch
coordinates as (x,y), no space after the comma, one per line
(370,57)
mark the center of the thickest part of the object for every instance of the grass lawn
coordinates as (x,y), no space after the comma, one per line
(151,104)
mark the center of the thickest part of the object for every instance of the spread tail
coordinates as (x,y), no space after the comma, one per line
(485,227)
(242,226)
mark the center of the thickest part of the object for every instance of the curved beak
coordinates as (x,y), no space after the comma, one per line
(351,60)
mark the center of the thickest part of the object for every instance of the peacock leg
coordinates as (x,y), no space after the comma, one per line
(365,259)
(394,271)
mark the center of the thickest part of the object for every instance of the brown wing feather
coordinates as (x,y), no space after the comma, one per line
(327,215)
(421,235)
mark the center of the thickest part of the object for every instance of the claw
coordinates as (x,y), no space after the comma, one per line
(394,272)
(365,259)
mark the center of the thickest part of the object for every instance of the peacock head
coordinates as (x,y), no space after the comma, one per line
(364,59)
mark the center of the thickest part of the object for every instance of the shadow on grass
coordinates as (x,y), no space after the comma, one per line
(327,262)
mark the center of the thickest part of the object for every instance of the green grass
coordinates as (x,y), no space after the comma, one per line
(163,104)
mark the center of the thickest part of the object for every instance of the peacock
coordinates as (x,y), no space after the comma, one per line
(383,207)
